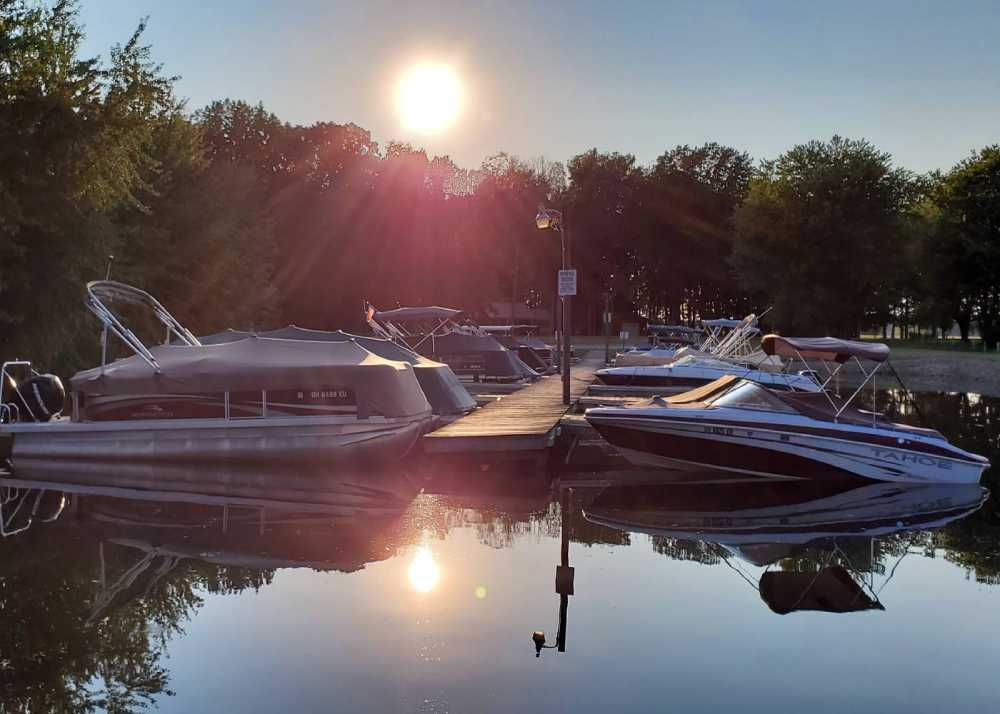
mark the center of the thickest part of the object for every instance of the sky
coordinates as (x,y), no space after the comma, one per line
(920,80)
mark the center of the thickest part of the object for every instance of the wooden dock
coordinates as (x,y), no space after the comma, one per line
(525,421)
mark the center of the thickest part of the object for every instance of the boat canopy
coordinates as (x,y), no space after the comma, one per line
(722,322)
(442,388)
(828,349)
(380,386)
(671,329)
(832,589)
(404,314)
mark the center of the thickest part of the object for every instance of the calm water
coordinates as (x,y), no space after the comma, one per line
(401,595)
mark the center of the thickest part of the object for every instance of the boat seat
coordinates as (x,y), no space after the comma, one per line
(701,394)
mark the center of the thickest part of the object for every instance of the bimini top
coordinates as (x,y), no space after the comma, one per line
(418,313)
(667,329)
(828,349)
(722,322)
(380,386)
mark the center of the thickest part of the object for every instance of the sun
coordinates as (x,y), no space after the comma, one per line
(424,572)
(429,97)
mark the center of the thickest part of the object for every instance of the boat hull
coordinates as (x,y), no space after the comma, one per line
(776,450)
(333,440)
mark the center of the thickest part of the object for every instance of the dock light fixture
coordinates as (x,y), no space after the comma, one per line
(551,219)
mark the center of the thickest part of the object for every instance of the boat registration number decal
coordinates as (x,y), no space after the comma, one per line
(317,395)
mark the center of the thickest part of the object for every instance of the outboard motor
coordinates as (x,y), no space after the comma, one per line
(42,397)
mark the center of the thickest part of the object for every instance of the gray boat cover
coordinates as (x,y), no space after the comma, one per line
(500,362)
(524,352)
(828,349)
(380,386)
(442,388)
(403,314)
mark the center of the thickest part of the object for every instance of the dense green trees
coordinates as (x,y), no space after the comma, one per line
(75,147)
(234,218)
(99,159)
(969,240)
(821,234)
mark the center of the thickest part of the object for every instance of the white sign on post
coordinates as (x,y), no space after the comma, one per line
(567,283)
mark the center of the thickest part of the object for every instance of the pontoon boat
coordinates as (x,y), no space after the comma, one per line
(252,399)
(436,332)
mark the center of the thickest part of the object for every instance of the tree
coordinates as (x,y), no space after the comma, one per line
(820,231)
(688,202)
(74,147)
(969,198)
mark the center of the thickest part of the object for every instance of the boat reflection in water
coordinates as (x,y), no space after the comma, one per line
(816,540)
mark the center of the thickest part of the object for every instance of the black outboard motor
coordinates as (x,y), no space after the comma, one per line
(39,398)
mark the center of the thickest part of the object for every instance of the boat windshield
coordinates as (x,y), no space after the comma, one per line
(749,395)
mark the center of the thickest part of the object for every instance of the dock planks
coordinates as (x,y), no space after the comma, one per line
(520,422)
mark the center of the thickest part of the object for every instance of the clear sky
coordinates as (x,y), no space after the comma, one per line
(919,79)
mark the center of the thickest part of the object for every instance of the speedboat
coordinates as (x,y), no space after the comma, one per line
(250,399)
(724,339)
(689,372)
(665,342)
(436,332)
(739,425)
(444,391)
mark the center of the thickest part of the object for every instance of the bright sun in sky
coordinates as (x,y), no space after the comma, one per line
(429,97)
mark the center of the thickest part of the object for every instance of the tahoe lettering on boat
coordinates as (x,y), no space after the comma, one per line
(911,458)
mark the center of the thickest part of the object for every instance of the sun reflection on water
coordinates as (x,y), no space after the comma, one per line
(424,572)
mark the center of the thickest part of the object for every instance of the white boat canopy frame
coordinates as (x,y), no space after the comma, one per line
(100,292)
(832,349)
(390,324)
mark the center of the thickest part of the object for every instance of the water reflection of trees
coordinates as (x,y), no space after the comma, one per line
(696,551)
(60,654)
(972,422)
(502,521)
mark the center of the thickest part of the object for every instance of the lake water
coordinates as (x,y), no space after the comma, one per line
(399,594)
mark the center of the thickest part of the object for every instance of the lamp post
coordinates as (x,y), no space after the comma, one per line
(546,219)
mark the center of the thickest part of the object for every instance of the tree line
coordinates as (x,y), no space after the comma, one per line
(235,218)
